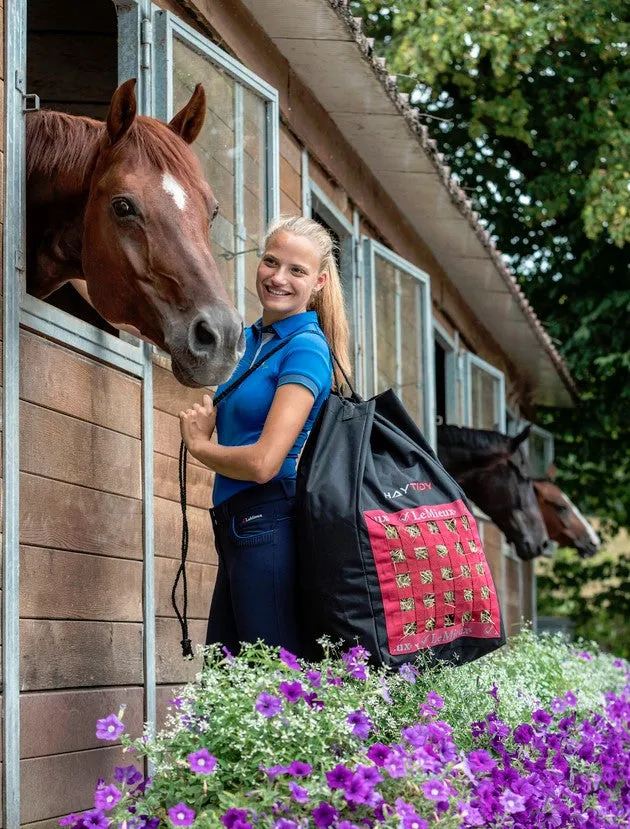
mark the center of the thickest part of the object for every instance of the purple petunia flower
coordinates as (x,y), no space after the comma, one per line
(181,815)
(541,717)
(267,705)
(95,819)
(494,692)
(273,771)
(68,820)
(378,753)
(435,700)
(407,673)
(313,701)
(523,734)
(109,728)
(558,705)
(202,762)
(512,802)
(412,820)
(285,823)
(356,790)
(345,824)
(232,817)
(435,789)
(106,797)
(290,660)
(127,774)
(324,815)
(480,761)
(314,678)
(361,724)
(339,777)
(291,691)
(300,769)
(384,687)
(570,698)
(298,793)
(470,815)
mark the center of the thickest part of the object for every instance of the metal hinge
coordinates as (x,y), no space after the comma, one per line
(30,101)
(146,31)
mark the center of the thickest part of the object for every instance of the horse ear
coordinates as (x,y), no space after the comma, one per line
(520,438)
(552,471)
(189,120)
(122,110)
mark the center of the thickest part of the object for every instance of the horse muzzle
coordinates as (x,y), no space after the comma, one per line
(205,350)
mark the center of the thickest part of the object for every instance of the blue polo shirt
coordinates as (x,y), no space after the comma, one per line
(241,416)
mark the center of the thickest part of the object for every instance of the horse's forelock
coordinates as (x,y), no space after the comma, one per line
(159,147)
(59,144)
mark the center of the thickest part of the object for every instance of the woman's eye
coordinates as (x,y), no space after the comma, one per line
(123,208)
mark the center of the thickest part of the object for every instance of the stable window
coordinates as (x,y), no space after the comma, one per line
(484,394)
(237,147)
(446,387)
(540,447)
(320,208)
(400,339)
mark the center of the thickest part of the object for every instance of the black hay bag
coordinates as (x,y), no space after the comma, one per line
(389,554)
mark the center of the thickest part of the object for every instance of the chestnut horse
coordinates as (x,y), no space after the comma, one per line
(121,209)
(494,472)
(565,523)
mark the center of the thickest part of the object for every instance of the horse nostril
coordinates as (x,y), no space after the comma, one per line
(204,335)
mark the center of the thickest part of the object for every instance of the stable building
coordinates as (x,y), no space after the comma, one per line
(301,118)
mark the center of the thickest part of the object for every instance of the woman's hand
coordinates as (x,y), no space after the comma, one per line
(197,424)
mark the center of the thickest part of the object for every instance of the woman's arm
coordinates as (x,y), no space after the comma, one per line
(260,461)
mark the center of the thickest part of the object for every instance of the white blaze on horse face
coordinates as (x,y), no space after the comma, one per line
(594,538)
(174,189)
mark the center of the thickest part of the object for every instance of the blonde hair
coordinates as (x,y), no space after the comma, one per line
(327,302)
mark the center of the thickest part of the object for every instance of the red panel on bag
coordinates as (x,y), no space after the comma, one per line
(434,577)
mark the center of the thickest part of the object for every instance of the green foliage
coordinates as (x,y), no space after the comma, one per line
(594,594)
(534,121)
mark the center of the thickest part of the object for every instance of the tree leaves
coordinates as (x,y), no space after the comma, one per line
(535,123)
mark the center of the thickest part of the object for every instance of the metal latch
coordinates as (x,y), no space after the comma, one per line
(30,101)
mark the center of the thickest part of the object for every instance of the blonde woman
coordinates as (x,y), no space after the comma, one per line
(261,428)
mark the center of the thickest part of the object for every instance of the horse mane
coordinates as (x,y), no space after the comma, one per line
(465,438)
(59,144)
(68,145)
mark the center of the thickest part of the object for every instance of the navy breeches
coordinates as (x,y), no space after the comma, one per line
(254,594)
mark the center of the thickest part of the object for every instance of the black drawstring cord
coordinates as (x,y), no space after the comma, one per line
(182,617)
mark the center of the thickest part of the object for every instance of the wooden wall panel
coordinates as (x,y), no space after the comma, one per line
(57,446)
(64,516)
(56,785)
(168,524)
(167,437)
(59,379)
(60,722)
(199,481)
(201,578)
(58,584)
(290,181)
(528,574)
(172,668)
(62,654)
(513,622)
(290,148)
(169,395)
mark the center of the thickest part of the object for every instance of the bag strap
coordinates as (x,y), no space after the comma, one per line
(182,617)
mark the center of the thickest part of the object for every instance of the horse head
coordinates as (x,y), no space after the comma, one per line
(146,252)
(565,523)
(494,472)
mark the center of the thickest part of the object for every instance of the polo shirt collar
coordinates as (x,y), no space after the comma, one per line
(289,325)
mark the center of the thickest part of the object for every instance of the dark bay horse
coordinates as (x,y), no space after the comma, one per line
(494,472)
(565,523)
(124,206)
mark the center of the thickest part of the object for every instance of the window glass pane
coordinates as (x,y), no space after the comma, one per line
(254,165)
(485,394)
(385,307)
(537,455)
(214,146)
(411,338)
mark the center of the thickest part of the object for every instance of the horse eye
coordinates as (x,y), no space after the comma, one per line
(124,208)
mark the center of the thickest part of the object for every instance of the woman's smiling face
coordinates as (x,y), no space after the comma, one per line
(287,276)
